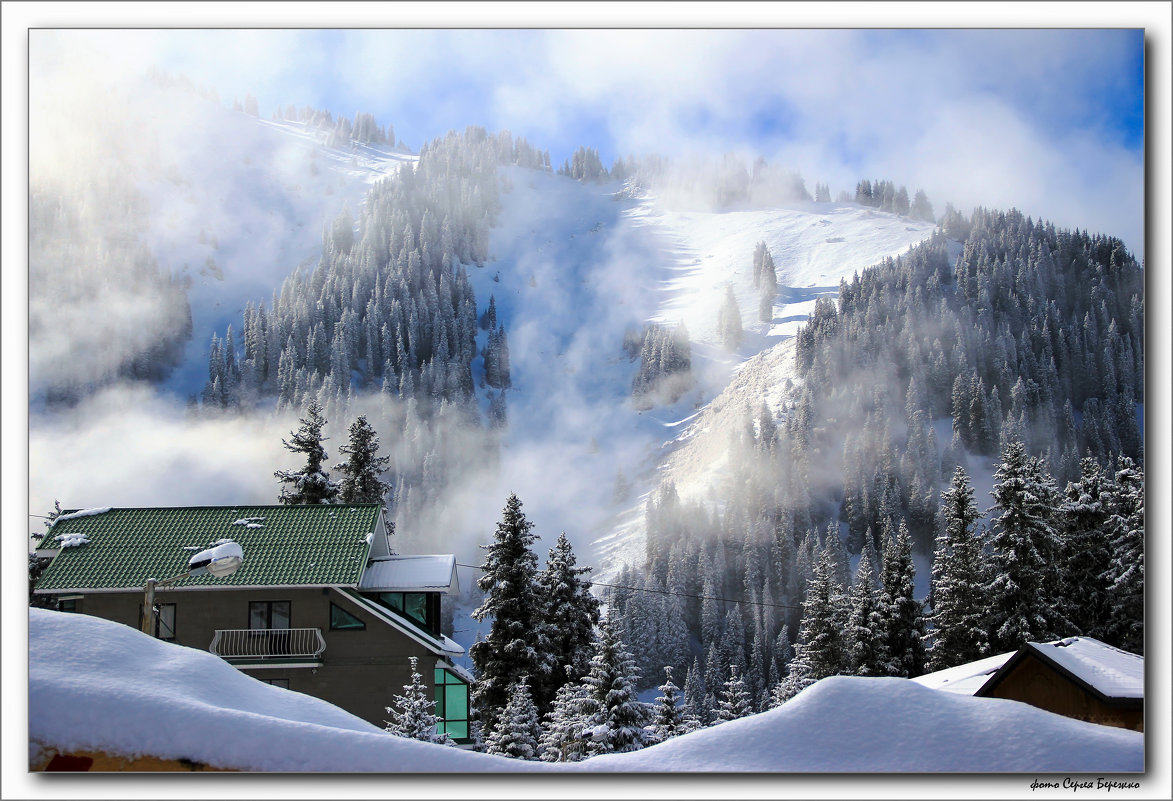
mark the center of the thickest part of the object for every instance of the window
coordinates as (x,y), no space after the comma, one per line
(422,608)
(268,614)
(67,605)
(452,704)
(165,622)
(341,620)
(269,621)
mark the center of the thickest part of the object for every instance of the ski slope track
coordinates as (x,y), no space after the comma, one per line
(814,247)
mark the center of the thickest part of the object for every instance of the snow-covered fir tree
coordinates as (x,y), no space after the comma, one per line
(865,646)
(496,356)
(363,469)
(311,484)
(413,714)
(819,651)
(694,695)
(617,718)
(1024,553)
(517,730)
(669,716)
(735,701)
(1127,570)
(564,734)
(960,582)
(570,612)
(901,615)
(518,643)
(729,321)
(1084,526)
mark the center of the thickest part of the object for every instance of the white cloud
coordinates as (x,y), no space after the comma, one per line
(1017,110)
(130,447)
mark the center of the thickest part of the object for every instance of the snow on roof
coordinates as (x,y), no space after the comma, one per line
(71,540)
(964,679)
(421,573)
(1110,671)
(81,513)
(95,685)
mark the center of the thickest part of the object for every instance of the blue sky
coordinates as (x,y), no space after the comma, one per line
(1049,121)
(428,82)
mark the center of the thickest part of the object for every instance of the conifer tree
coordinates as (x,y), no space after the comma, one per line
(729,321)
(1126,572)
(1024,554)
(311,484)
(564,736)
(361,472)
(735,700)
(865,651)
(819,651)
(413,714)
(783,653)
(694,695)
(517,731)
(715,667)
(669,721)
(617,719)
(733,640)
(960,582)
(901,614)
(518,642)
(571,612)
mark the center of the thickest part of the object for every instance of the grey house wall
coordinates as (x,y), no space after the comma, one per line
(362,670)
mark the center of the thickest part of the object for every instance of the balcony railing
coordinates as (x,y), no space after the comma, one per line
(268,643)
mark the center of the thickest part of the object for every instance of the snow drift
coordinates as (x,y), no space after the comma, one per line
(95,685)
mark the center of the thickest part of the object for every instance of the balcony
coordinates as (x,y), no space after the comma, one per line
(260,646)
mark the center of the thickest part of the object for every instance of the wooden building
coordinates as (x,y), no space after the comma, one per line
(1078,677)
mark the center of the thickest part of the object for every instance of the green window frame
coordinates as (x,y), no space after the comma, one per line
(452,705)
(341,620)
(412,605)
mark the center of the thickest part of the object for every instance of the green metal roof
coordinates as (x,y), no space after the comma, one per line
(290,546)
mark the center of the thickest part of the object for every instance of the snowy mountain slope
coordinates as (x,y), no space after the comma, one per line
(814,246)
(151,181)
(101,686)
(244,207)
(573,266)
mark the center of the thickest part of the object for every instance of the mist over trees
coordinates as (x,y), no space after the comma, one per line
(1031,350)
(886,196)
(101,306)
(340,133)
(665,364)
(388,312)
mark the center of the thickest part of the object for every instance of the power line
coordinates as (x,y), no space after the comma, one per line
(677,594)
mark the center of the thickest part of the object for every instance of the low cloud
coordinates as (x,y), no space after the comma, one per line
(128,446)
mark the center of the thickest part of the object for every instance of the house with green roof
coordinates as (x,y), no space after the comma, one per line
(321,604)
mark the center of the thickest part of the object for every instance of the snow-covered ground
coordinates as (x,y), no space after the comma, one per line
(95,685)
(813,245)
